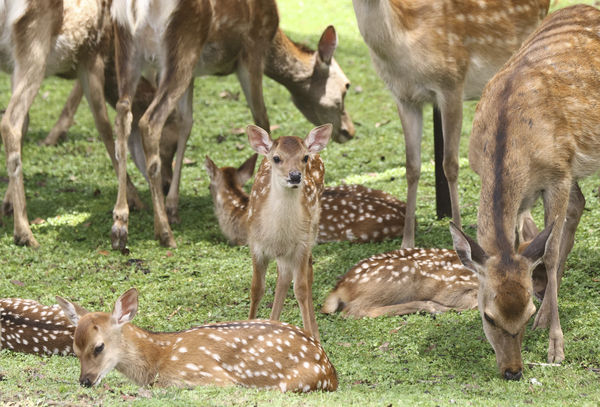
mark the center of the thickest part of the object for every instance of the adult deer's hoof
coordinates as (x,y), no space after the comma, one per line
(166,239)
(26,239)
(173,215)
(118,236)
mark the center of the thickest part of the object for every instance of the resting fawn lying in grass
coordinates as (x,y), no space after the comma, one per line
(406,281)
(30,327)
(263,354)
(348,212)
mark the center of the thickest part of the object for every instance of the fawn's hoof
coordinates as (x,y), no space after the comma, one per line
(556,350)
(118,236)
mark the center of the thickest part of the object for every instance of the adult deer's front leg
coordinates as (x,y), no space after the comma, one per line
(303,280)
(92,80)
(411,116)
(555,205)
(451,110)
(127,62)
(31,54)
(249,73)
(184,125)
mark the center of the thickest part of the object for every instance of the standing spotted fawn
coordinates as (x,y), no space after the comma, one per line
(261,354)
(535,134)
(348,212)
(440,52)
(30,327)
(283,217)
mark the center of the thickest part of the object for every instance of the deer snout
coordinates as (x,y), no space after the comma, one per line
(294,177)
(85,381)
(509,374)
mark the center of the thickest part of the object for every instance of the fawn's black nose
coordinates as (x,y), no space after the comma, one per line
(508,375)
(85,382)
(295,177)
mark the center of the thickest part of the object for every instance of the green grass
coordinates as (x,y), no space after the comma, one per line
(417,359)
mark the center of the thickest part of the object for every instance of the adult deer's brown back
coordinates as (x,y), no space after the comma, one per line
(535,133)
(441,52)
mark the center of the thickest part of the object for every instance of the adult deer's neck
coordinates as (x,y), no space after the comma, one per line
(287,62)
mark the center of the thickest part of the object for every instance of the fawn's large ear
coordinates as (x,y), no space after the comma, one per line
(536,249)
(530,229)
(72,311)
(210,166)
(260,141)
(471,255)
(245,171)
(318,138)
(125,307)
(327,44)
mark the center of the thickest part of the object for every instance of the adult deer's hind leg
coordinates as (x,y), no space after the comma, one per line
(31,51)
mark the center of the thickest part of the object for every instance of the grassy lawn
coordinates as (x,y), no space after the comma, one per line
(417,359)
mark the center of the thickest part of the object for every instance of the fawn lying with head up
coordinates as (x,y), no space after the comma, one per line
(348,212)
(262,354)
(283,216)
(412,280)
(30,327)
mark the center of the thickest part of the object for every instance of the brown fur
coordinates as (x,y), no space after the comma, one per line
(34,51)
(348,212)
(440,52)
(283,217)
(260,354)
(526,144)
(240,37)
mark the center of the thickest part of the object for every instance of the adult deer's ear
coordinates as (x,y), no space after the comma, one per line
(536,249)
(471,255)
(327,44)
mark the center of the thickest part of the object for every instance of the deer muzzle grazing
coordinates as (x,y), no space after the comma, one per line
(525,144)
(259,354)
(283,216)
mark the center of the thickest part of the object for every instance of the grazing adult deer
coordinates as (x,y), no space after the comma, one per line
(403,282)
(188,38)
(283,216)
(348,212)
(30,327)
(263,354)
(56,37)
(441,52)
(535,133)
(406,281)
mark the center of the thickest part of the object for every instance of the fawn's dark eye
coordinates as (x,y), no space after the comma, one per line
(489,319)
(98,349)
(276,159)
(305,159)
(347,86)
